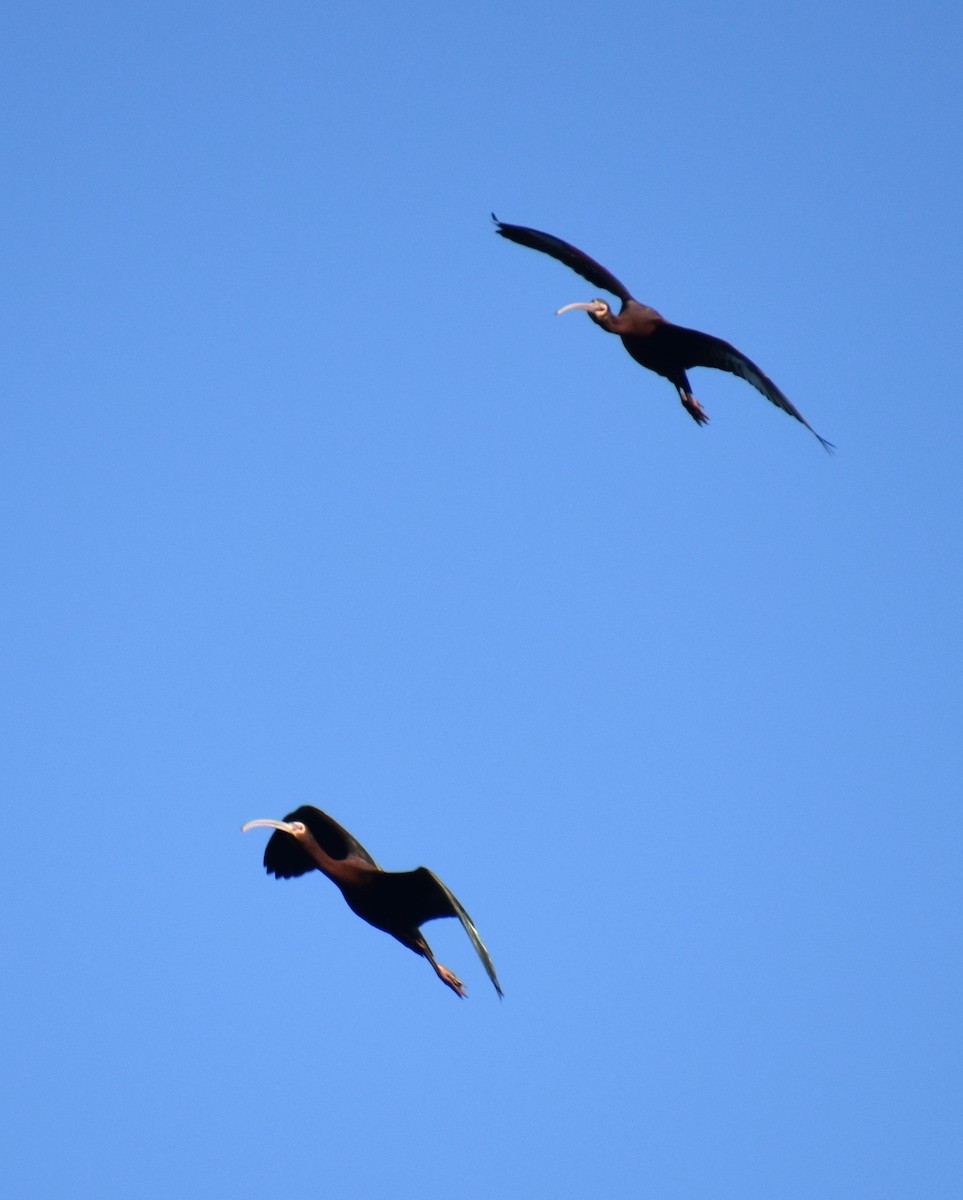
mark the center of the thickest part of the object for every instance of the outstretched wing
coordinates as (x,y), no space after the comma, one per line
(694,349)
(580,263)
(284,858)
(419,896)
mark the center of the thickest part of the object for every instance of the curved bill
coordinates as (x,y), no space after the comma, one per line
(267,823)
(592,306)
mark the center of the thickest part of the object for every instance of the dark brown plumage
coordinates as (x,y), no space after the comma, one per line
(396,901)
(669,350)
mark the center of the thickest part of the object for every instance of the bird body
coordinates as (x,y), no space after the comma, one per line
(397,902)
(655,343)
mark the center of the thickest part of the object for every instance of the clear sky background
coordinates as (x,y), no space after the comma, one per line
(307,497)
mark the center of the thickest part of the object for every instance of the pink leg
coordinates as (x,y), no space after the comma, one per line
(693,407)
(449,978)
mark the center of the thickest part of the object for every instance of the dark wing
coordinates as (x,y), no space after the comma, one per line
(284,857)
(419,896)
(694,349)
(580,263)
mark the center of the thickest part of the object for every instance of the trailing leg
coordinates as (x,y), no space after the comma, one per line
(692,406)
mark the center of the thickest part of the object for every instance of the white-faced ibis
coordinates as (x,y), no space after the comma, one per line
(396,901)
(669,350)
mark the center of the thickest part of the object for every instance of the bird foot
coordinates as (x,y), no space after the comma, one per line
(694,408)
(451,979)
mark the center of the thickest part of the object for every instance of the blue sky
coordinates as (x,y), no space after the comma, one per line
(307,498)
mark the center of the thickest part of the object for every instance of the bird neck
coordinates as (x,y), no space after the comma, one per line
(609,321)
(633,317)
(349,870)
(321,859)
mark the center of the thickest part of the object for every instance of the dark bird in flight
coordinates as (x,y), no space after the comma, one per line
(669,350)
(396,901)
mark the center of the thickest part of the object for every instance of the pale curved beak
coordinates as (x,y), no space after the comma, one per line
(267,823)
(592,306)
